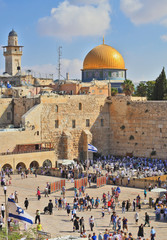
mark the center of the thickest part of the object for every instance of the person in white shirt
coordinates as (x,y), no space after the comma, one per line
(12,196)
(3,210)
(91,222)
(136,217)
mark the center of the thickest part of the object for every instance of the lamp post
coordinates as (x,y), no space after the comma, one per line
(6,214)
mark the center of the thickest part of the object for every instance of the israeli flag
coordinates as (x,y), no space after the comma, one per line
(91,148)
(17,212)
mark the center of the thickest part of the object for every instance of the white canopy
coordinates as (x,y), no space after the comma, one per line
(66,162)
(158,190)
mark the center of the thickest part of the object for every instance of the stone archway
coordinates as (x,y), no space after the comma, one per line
(21,165)
(47,163)
(34,164)
(6,166)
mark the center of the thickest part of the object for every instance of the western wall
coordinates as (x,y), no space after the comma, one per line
(115,125)
(138,128)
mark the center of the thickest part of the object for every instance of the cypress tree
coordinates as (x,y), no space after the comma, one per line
(160,86)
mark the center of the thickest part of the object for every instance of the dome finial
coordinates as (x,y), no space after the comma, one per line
(103,39)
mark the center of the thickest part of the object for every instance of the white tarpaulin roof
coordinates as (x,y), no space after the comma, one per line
(66,162)
(158,190)
(68,238)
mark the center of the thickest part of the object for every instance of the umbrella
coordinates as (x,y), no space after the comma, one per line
(158,190)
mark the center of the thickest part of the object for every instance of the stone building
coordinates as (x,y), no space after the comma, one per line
(20,83)
(12,53)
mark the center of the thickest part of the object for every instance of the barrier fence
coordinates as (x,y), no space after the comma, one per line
(78,183)
(57,186)
(101,181)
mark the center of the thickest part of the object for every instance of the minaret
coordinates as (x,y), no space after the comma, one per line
(12,54)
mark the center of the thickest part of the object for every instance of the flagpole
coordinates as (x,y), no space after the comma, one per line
(87,161)
(6,215)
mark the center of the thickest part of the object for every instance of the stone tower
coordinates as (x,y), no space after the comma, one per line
(12,54)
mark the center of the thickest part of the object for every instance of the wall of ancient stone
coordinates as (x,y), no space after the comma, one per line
(89,114)
(12,110)
(138,128)
(21,106)
(6,116)
(118,126)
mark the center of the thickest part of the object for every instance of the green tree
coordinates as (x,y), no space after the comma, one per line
(114,91)
(128,87)
(160,86)
(150,90)
(141,90)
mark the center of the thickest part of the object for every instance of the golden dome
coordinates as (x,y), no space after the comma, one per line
(103,57)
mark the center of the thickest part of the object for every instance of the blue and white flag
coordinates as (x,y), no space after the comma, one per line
(17,212)
(91,148)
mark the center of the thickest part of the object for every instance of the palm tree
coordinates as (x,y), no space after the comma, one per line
(128,87)
(114,91)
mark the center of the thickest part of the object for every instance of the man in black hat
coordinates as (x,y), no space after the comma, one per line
(50,207)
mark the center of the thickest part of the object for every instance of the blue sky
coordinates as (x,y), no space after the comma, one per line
(136,28)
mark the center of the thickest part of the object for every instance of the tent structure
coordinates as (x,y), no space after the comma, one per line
(158,190)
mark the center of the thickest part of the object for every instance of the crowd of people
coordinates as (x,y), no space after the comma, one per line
(108,204)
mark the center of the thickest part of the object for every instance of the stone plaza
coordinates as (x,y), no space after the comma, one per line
(59,224)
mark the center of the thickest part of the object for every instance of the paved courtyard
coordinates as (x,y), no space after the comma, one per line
(59,223)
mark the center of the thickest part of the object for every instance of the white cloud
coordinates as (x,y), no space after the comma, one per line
(88,2)
(70,20)
(164,38)
(144,11)
(67,65)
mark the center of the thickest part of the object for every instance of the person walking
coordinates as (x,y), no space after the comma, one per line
(134,205)
(16,196)
(76,224)
(102,211)
(3,210)
(153,233)
(114,220)
(91,222)
(100,236)
(141,231)
(123,207)
(50,207)
(68,208)
(5,189)
(26,203)
(38,194)
(119,224)
(82,225)
(37,217)
(94,237)
(136,217)
(127,205)
(147,219)
(46,191)
(59,203)
(125,223)
(145,193)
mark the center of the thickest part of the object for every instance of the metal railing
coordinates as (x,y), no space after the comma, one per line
(33,151)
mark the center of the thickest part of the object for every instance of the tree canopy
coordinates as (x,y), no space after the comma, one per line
(154,90)
(160,87)
(128,87)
